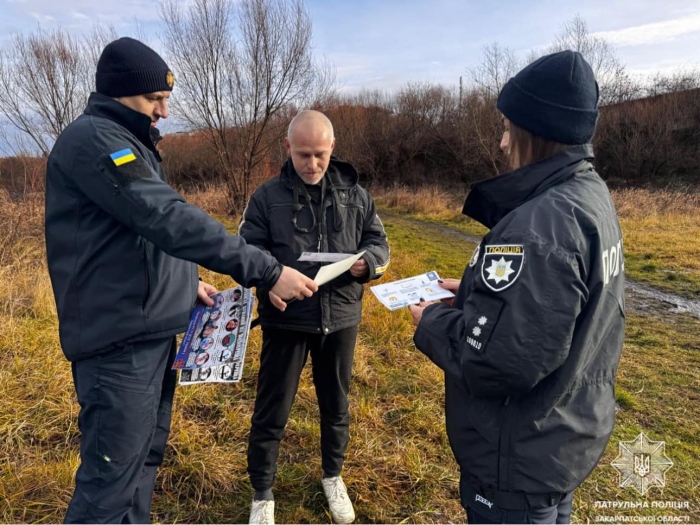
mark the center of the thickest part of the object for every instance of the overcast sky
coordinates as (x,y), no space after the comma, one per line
(385,43)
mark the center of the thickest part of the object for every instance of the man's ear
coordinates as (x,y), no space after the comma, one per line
(332,145)
(287,146)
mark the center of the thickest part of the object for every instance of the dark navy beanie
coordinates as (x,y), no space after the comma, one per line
(555,97)
(128,67)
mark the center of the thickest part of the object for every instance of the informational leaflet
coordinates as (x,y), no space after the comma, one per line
(399,294)
(329,272)
(324,257)
(214,346)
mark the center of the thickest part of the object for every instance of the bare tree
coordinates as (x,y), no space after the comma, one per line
(95,42)
(497,65)
(42,85)
(238,65)
(478,109)
(681,80)
(615,84)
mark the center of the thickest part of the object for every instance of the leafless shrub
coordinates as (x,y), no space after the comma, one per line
(43,84)
(240,66)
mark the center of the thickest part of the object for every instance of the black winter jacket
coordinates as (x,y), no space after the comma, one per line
(119,238)
(530,348)
(278,219)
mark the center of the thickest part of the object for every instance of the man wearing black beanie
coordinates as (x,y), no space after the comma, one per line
(121,247)
(531,344)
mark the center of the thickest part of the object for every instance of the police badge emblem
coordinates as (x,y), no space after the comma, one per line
(501,265)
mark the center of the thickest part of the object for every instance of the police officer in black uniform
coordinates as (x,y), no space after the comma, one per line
(121,246)
(531,344)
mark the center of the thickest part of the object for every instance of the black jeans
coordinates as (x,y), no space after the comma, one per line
(125,398)
(560,513)
(283,357)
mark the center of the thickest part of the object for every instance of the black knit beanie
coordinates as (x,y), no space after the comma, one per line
(555,97)
(128,67)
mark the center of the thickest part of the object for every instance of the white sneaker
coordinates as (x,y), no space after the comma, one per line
(262,511)
(338,500)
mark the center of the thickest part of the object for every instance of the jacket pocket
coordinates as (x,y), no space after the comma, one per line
(127,405)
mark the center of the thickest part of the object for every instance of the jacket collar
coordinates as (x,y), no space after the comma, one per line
(340,174)
(492,199)
(136,123)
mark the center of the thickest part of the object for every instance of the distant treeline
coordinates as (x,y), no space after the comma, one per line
(426,134)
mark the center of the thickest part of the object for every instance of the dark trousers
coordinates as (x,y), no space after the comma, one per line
(126,398)
(560,513)
(283,357)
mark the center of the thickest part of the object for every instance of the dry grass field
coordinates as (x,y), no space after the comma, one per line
(400,468)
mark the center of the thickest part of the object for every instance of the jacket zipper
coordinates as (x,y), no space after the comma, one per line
(321,231)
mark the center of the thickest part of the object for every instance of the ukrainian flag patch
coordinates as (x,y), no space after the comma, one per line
(122,157)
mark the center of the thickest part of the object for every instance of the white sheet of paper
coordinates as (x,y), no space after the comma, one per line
(324,257)
(328,273)
(399,294)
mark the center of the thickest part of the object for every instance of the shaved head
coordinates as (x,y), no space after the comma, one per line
(310,143)
(310,120)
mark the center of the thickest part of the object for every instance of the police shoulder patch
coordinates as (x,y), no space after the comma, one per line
(501,265)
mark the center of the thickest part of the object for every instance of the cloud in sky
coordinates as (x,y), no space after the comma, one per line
(653,33)
(68,13)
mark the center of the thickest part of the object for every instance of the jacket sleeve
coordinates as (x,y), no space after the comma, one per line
(502,343)
(254,227)
(374,242)
(134,194)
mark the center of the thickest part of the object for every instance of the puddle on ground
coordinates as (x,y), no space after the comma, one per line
(641,298)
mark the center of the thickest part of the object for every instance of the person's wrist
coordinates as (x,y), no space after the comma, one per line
(279,269)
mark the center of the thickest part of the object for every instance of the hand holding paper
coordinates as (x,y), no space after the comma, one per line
(360,268)
(417,311)
(325,273)
(328,273)
(293,284)
(400,294)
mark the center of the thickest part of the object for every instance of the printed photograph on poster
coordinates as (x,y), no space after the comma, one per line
(213,348)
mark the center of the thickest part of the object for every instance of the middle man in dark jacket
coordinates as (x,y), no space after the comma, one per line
(314,205)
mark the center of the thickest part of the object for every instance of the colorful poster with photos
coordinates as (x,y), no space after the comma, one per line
(213,348)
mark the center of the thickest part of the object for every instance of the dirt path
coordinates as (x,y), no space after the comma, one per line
(640,298)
